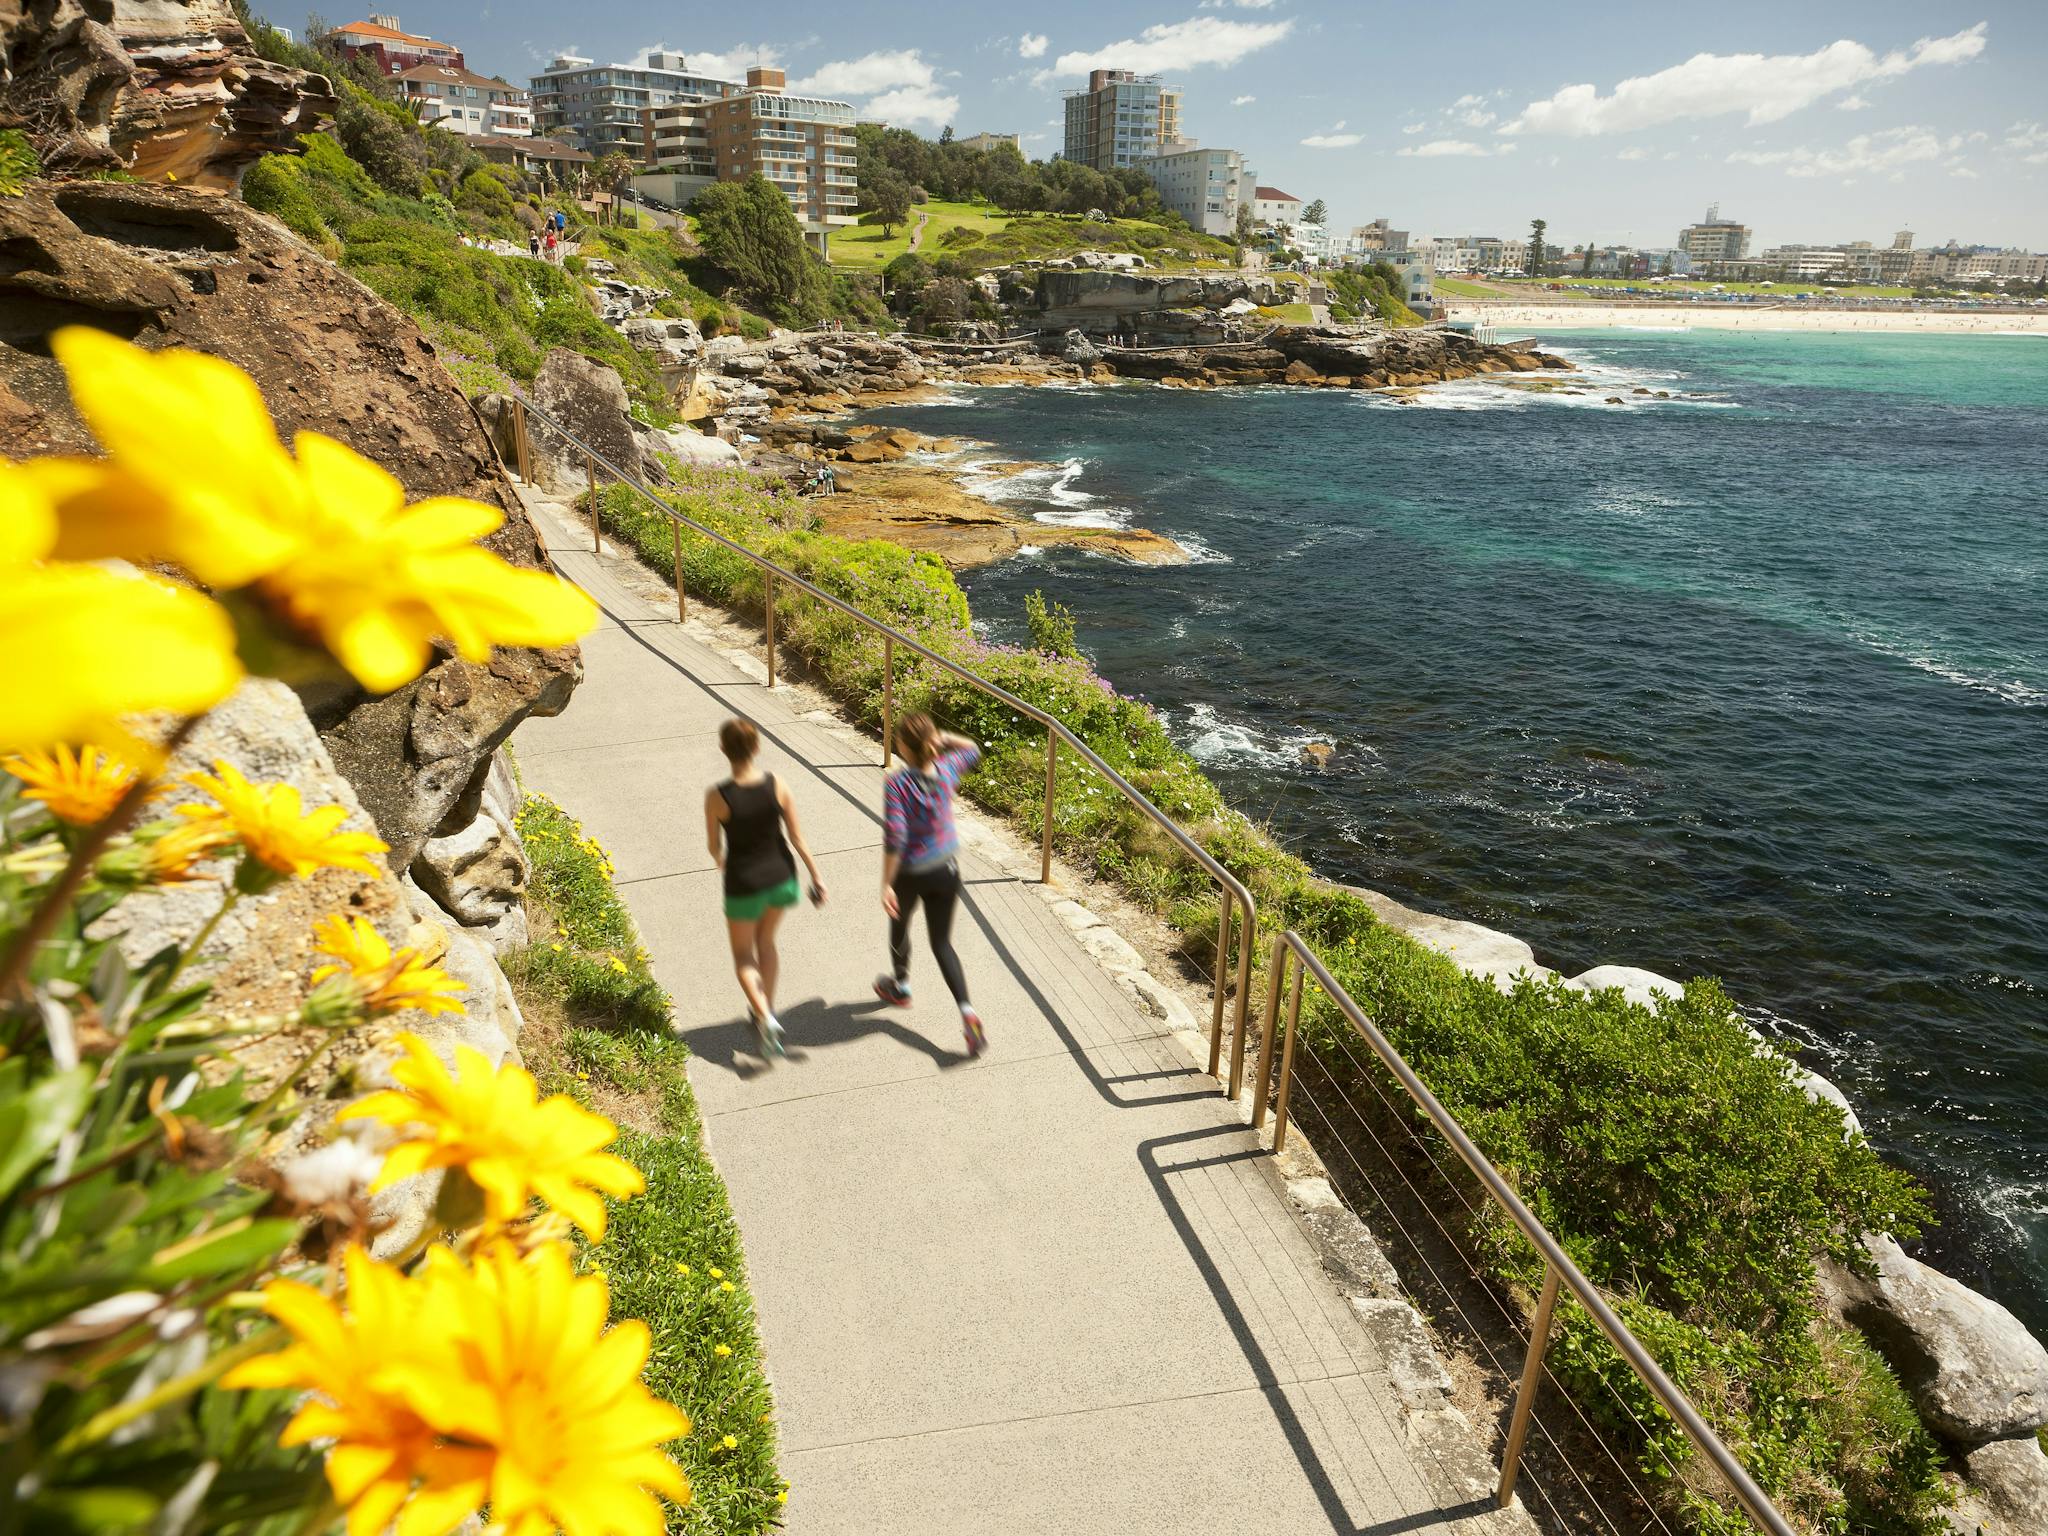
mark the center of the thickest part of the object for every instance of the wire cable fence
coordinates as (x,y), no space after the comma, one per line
(1580,1476)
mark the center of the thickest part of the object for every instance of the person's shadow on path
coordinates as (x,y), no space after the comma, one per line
(807,1026)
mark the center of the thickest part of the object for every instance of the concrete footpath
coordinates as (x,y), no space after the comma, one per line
(1056,1289)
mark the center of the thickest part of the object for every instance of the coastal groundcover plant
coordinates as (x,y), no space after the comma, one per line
(1685,1171)
(601,1032)
(204,1325)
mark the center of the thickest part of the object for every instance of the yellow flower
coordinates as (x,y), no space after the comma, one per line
(174,857)
(618,965)
(378,581)
(79,787)
(725,1285)
(721,1350)
(88,645)
(490,1122)
(390,981)
(717,1273)
(463,1387)
(682,1269)
(782,1496)
(731,1442)
(359,1363)
(275,827)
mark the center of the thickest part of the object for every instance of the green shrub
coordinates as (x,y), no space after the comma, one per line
(18,162)
(1051,626)
(276,185)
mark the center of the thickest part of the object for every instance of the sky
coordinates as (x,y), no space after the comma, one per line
(1808,123)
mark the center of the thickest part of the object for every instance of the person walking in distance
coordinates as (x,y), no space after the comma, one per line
(921,861)
(750,826)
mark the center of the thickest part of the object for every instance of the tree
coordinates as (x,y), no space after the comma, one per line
(610,174)
(1536,249)
(946,134)
(890,195)
(749,234)
(1244,231)
(1586,260)
(1315,213)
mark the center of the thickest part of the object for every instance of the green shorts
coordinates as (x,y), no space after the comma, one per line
(747,909)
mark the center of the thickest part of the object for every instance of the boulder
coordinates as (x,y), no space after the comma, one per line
(1077,348)
(478,875)
(589,400)
(689,447)
(157,88)
(1299,372)
(1634,983)
(1318,754)
(2012,1475)
(193,269)
(1973,1369)
(1478,951)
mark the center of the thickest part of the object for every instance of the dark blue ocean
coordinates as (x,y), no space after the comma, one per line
(1751,683)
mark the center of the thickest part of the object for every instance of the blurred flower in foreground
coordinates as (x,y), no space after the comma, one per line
(388,981)
(491,1123)
(322,541)
(87,646)
(471,1385)
(80,786)
(278,833)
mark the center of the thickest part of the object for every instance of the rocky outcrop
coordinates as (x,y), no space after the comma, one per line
(2012,1476)
(1975,1372)
(162,89)
(589,400)
(168,266)
(478,872)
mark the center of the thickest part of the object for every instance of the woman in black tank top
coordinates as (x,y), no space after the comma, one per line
(750,826)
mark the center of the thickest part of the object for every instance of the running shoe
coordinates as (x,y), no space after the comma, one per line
(977,1037)
(767,1035)
(892,991)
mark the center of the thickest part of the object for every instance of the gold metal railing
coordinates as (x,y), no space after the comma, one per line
(1238,915)
(1291,958)
(1291,955)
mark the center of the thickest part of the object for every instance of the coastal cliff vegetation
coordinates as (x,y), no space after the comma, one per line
(1684,1170)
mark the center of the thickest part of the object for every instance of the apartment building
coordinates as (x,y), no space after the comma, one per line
(1204,186)
(391,47)
(599,106)
(1376,237)
(1714,239)
(1272,208)
(463,101)
(987,141)
(1121,119)
(803,144)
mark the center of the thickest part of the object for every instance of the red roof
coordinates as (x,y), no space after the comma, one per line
(1274,195)
(383,34)
(449,73)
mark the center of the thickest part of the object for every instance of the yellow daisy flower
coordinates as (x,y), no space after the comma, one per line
(386,1456)
(104,645)
(276,829)
(390,981)
(721,1350)
(575,1436)
(174,857)
(731,1442)
(378,581)
(80,787)
(491,1123)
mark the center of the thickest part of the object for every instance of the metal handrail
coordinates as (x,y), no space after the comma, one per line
(1558,1268)
(1233,890)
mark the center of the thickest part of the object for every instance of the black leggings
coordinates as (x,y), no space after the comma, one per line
(939,890)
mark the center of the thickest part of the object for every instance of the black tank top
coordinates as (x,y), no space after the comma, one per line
(756,857)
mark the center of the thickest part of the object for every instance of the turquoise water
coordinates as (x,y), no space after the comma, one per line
(1750,682)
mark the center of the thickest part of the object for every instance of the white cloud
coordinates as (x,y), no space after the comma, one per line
(1190,44)
(2029,141)
(899,87)
(1962,172)
(1851,104)
(1887,150)
(1470,110)
(1333,138)
(1413,127)
(1769,87)
(1242,101)
(1032,45)
(1634,152)
(1438,148)
(734,63)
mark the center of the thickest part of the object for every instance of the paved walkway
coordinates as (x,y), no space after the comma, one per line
(1057,1289)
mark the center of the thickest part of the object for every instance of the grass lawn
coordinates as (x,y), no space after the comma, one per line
(1459,288)
(597,1028)
(864,248)
(1288,314)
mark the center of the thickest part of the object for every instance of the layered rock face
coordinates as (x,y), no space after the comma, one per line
(159,88)
(168,266)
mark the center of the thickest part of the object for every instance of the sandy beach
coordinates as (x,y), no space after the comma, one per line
(1739,317)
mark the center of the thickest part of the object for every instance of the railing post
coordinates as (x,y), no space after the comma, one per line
(1052,768)
(1216,1003)
(1525,1395)
(770,624)
(676,544)
(596,530)
(1276,974)
(1287,1061)
(1243,1000)
(522,451)
(888,699)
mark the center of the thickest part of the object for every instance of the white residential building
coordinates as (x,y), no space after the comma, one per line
(1274,209)
(463,101)
(599,106)
(1204,186)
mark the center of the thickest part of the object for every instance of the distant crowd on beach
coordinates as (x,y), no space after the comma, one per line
(1741,318)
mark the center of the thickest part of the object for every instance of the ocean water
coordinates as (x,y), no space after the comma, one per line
(1749,682)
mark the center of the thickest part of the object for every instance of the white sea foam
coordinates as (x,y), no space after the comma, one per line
(1213,737)
(1200,552)
(2011,689)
